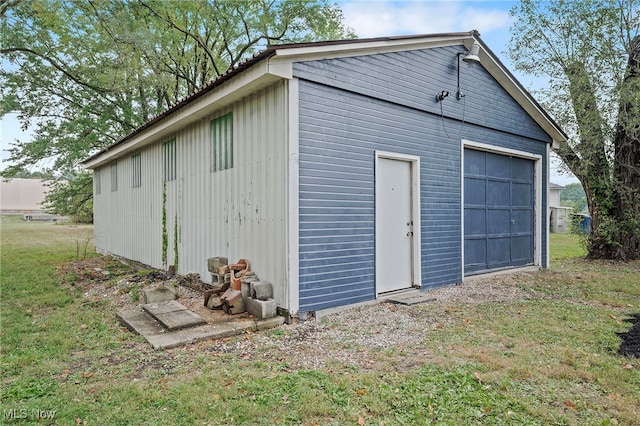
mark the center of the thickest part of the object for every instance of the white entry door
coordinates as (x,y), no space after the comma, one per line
(394,225)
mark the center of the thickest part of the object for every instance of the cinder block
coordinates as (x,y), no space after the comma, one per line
(249,278)
(213,263)
(159,294)
(245,289)
(261,290)
(261,309)
(245,285)
(217,279)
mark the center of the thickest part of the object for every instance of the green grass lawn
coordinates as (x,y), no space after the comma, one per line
(549,359)
(565,246)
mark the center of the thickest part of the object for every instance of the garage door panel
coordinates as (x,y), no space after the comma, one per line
(498,211)
(498,251)
(474,162)
(498,193)
(475,221)
(476,191)
(475,252)
(521,222)
(521,249)
(498,165)
(521,169)
(499,222)
(521,194)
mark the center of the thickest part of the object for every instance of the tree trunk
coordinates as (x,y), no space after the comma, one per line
(588,159)
(626,172)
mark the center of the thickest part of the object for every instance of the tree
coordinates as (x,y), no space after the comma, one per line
(71,196)
(573,195)
(589,50)
(86,73)
(28,174)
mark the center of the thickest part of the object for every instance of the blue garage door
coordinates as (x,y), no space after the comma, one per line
(498,211)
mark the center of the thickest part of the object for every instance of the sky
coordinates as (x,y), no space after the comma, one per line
(380,18)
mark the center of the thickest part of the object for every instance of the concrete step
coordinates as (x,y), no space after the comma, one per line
(140,322)
(173,315)
(410,298)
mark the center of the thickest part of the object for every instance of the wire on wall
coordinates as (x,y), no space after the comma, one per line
(444,127)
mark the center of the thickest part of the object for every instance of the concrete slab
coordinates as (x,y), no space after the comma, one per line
(180,319)
(163,307)
(268,323)
(140,322)
(173,339)
(159,294)
(173,315)
(410,298)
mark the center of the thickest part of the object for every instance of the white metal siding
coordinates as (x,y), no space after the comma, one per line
(239,212)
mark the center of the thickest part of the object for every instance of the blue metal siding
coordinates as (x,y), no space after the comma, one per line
(413,79)
(351,107)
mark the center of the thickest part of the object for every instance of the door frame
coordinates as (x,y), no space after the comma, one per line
(537,194)
(416,246)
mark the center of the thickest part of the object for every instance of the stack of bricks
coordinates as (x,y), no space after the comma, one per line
(221,295)
(255,296)
(220,273)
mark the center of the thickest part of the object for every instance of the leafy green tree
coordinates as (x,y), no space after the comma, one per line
(589,50)
(37,174)
(71,196)
(84,73)
(574,196)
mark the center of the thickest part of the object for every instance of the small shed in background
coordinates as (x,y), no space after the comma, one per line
(554,194)
(560,217)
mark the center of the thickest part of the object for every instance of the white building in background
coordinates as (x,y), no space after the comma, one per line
(22,196)
(560,219)
(554,194)
(26,197)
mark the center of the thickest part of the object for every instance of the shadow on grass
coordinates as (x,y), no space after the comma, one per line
(630,345)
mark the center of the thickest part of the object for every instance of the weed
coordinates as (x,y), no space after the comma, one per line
(135,293)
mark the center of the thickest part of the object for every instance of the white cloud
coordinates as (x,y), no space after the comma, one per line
(385,18)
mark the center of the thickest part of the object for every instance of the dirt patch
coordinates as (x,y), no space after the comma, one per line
(104,279)
(630,345)
(376,336)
